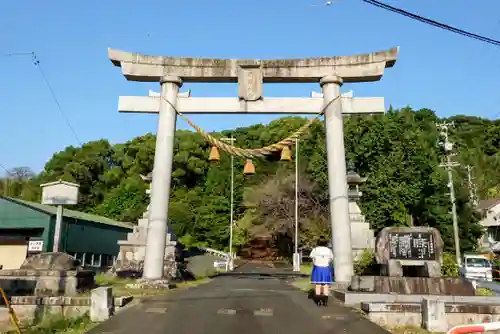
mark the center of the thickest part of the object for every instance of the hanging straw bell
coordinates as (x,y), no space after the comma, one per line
(249,168)
(214,154)
(286,154)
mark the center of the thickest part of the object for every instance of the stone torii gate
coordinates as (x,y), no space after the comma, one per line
(250,75)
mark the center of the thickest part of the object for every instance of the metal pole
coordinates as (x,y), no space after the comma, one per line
(231,263)
(57,230)
(296,259)
(454,211)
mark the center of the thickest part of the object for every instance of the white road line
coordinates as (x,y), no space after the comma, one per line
(156,310)
(265,312)
(226,311)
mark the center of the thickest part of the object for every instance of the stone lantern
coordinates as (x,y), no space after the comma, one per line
(361,234)
(354,180)
(133,250)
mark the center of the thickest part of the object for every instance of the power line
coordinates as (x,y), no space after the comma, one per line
(36,62)
(432,22)
(16,54)
(5,180)
(5,169)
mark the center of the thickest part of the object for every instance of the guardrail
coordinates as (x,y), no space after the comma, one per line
(475,328)
(214,252)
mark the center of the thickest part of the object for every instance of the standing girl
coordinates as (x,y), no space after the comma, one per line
(322,273)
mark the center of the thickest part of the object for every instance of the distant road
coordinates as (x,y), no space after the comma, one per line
(495,287)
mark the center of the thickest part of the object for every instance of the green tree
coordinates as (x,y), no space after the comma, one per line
(397,152)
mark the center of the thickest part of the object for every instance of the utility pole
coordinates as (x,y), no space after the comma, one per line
(296,256)
(472,187)
(449,164)
(231,261)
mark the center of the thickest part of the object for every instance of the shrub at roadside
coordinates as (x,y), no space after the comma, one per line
(59,324)
(449,267)
(366,265)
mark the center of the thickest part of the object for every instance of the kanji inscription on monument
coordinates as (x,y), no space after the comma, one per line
(419,246)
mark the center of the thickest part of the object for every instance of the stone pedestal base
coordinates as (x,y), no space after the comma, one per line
(21,282)
(394,268)
(449,286)
(362,238)
(130,261)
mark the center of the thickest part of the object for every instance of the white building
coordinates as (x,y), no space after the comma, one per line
(490,210)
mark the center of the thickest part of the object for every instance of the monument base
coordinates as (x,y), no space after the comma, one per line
(447,286)
(47,274)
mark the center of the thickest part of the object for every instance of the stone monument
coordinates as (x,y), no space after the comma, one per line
(251,74)
(47,274)
(362,235)
(418,248)
(130,260)
(410,261)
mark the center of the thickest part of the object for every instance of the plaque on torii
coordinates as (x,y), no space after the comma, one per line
(250,74)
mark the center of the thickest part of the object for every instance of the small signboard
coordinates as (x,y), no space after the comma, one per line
(416,246)
(60,193)
(35,245)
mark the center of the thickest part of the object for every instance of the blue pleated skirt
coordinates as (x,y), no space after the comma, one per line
(322,275)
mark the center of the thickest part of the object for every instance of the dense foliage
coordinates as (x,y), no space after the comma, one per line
(397,152)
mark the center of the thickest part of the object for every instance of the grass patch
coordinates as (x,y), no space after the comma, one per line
(303,284)
(58,324)
(306,268)
(120,286)
(409,330)
(484,292)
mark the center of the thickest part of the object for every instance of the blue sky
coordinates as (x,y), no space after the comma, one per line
(436,69)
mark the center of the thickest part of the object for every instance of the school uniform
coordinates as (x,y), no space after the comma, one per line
(322,272)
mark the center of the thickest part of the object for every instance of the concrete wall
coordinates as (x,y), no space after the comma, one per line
(430,317)
(30,309)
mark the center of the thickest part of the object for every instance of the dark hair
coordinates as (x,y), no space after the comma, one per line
(323,242)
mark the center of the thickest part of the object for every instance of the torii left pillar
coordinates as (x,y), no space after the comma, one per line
(162,176)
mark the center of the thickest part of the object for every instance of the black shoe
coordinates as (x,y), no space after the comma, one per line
(317,300)
(325,301)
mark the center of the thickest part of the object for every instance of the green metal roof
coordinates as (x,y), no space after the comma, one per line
(52,210)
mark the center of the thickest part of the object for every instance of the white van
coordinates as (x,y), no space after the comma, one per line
(476,267)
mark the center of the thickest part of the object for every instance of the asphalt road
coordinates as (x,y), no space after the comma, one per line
(495,287)
(249,302)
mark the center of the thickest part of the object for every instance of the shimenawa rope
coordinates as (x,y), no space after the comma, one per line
(253,152)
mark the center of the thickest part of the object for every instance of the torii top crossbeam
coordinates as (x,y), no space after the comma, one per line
(357,68)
